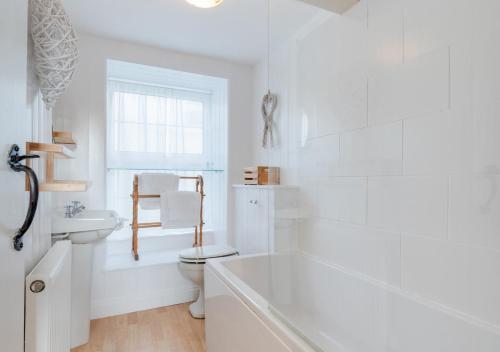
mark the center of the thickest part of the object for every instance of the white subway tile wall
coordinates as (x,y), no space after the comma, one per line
(409,204)
(393,134)
(341,198)
(370,251)
(375,150)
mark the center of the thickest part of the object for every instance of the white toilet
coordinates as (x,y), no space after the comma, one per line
(192,264)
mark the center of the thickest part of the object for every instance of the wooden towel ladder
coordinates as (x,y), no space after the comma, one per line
(198,231)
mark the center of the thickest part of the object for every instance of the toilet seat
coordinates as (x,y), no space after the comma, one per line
(199,255)
(191,265)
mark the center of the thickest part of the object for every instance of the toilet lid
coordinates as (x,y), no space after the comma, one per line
(206,252)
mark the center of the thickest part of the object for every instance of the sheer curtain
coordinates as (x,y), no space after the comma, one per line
(178,126)
(155,126)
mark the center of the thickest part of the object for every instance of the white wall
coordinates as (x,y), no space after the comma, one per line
(82,110)
(38,239)
(399,164)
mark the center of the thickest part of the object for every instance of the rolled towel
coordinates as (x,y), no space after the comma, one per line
(180,209)
(156,184)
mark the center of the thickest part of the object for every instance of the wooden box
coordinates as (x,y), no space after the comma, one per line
(262,175)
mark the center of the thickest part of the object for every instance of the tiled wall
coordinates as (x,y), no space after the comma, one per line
(390,124)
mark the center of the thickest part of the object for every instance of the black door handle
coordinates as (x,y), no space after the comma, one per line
(14,162)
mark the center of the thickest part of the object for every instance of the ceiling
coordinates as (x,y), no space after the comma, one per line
(236,30)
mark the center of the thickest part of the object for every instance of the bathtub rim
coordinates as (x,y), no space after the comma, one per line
(257,304)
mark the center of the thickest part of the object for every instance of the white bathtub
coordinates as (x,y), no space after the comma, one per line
(294,303)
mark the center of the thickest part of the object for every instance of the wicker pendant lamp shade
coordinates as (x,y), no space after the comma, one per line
(55,48)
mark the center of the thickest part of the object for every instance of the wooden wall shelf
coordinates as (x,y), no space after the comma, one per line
(53,151)
(58,150)
(62,137)
(64,186)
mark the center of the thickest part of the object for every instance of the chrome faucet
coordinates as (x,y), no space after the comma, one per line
(73,209)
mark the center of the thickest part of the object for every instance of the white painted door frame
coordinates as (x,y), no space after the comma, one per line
(14,128)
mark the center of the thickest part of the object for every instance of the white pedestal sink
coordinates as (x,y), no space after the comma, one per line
(84,229)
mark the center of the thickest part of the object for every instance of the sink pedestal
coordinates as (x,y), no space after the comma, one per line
(83,230)
(81,279)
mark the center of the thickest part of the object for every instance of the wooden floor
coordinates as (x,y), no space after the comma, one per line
(168,329)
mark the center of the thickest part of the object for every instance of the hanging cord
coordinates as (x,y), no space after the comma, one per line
(269,101)
(269,46)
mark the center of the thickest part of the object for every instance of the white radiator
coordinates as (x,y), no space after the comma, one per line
(48,302)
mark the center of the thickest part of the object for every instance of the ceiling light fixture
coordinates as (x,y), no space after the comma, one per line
(205,4)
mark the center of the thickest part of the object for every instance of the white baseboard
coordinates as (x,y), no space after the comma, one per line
(127,304)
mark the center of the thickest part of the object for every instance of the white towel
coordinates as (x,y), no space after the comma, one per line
(180,209)
(156,183)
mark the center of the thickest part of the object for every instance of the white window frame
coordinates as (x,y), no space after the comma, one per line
(212,164)
(145,160)
(213,89)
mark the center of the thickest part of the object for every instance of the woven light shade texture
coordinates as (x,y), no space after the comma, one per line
(55,48)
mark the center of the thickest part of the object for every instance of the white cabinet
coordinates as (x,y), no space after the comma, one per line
(257,219)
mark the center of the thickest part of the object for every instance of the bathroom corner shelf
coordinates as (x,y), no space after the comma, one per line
(53,151)
(62,137)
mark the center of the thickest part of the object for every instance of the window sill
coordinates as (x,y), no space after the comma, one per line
(126,234)
(155,249)
(125,261)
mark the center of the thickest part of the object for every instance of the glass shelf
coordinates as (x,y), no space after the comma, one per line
(165,169)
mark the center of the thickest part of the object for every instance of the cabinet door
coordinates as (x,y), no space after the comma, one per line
(239,221)
(257,217)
